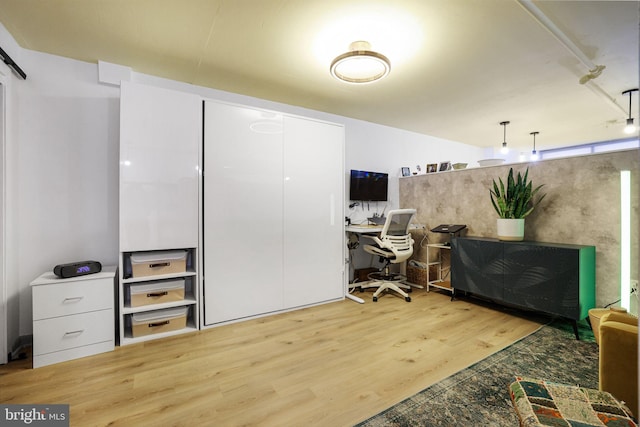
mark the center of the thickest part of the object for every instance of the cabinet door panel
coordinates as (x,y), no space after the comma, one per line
(477,267)
(313,211)
(159,168)
(242,215)
(543,277)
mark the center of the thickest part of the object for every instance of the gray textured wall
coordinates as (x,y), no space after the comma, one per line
(582,206)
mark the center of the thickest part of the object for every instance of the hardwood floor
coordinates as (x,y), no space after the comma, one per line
(330,365)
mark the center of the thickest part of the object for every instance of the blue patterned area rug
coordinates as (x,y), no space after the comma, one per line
(479,394)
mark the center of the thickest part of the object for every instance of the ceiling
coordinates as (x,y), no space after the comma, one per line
(458,67)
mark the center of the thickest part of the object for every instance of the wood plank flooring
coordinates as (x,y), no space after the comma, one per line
(330,365)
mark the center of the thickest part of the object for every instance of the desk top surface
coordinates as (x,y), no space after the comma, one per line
(374,228)
(364,228)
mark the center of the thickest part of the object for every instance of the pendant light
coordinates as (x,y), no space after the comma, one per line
(534,153)
(630,128)
(504,149)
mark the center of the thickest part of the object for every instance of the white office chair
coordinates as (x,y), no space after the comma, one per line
(393,246)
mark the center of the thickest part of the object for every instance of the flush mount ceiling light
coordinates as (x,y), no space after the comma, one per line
(504,149)
(630,128)
(534,153)
(360,64)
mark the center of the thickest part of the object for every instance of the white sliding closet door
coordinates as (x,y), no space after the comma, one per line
(273,212)
(313,211)
(242,217)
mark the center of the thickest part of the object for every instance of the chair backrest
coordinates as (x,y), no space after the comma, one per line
(395,233)
(397,223)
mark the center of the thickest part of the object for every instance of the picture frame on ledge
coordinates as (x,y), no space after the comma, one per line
(432,167)
(406,172)
(445,166)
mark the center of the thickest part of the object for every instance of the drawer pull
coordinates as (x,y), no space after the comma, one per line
(157,294)
(160,264)
(72,299)
(66,334)
(153,325)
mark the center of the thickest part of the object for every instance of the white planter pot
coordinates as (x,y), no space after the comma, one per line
(511,229)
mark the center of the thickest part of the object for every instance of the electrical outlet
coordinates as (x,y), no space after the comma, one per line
(634,286)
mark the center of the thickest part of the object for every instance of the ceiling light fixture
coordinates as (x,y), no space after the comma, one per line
(504,149)
(534,153)
(630,128)
(360,64)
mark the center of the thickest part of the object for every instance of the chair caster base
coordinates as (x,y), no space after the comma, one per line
(407,299)
(375,299)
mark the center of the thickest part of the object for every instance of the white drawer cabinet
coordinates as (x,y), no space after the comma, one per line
(72,317)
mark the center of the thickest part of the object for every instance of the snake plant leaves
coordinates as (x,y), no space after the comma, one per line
(516,200)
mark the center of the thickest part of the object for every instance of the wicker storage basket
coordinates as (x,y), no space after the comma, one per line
(417,275)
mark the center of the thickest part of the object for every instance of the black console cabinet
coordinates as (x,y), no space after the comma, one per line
(553,278)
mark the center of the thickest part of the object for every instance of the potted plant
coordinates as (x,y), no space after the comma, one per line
(513,203)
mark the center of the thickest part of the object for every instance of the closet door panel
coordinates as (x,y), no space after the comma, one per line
(160,134)
(242,215)
(313,211)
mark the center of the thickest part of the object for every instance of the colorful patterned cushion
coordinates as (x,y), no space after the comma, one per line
(543,403)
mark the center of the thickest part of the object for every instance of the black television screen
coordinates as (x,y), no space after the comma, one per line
(368,186)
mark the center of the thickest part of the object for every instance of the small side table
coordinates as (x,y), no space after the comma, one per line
(441,270)
(72,317)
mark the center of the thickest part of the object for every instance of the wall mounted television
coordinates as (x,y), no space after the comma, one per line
(368,186)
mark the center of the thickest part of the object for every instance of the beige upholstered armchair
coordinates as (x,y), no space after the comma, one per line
(619,357)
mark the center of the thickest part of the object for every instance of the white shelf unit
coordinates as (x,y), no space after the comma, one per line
(442,271)
(160,166)
(127,310)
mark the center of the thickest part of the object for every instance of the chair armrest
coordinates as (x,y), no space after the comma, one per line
(621,317)
(618,366)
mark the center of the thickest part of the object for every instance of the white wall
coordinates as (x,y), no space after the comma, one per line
(384,149)
(10,280)
(65,176)
(63,180)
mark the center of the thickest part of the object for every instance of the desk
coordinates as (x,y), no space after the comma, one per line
(362,229)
